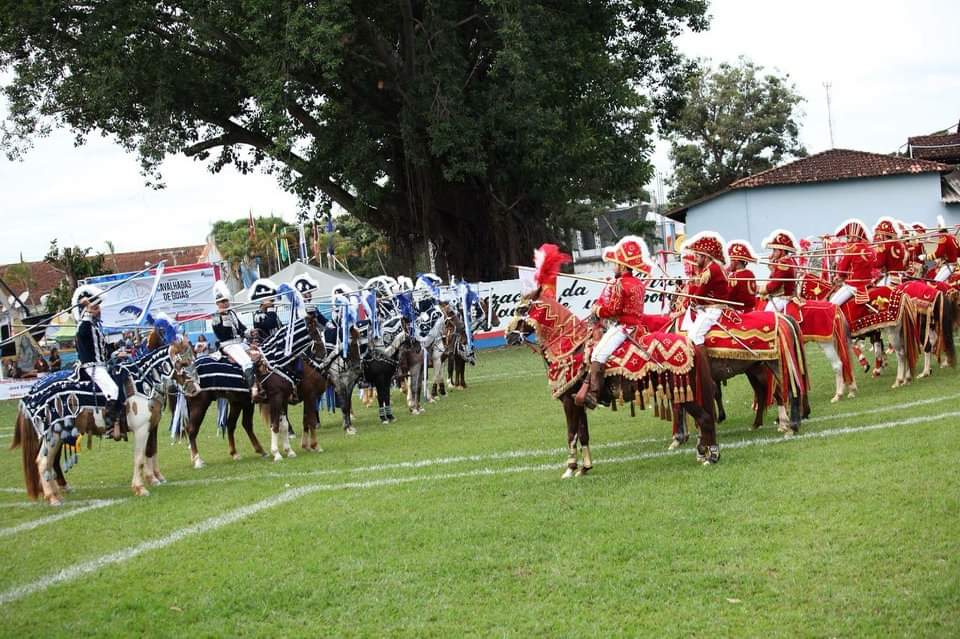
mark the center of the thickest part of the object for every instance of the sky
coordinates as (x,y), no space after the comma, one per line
(892,66)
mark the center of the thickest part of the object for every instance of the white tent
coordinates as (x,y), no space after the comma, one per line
(325,278)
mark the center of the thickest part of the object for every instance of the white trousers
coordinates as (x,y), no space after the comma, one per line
(944,273)
(843,295)
(777,304)
(98,373)
(610,341)
(239,354)
(706,318)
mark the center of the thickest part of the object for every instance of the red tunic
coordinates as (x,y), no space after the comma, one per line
(622,300)
(743,289)
(947,248)
(857,264)
(711,282)
(892,257)
(782,270)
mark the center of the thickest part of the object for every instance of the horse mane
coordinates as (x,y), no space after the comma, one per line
(154,340)
(559,331)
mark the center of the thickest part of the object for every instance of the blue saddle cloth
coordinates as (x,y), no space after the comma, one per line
(220,375)
(274,349)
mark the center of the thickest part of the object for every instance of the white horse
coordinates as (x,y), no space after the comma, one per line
(430,327)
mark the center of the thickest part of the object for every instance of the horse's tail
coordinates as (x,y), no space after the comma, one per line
(25,437)
(841,344)
(909,332)
(795,378)
(948,312)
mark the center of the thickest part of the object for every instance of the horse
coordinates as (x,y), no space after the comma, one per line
(60,405)
(379,364)
(562,337)
(343,372)
(459,351)
(936,314)
(410,371)
(431,329)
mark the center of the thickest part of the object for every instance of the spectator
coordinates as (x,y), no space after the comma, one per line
(41,365)
(54,359)
(201,347)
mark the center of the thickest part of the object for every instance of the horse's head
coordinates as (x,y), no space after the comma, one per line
(319,347)
(184,366)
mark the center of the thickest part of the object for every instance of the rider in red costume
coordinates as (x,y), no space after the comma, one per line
(743,284)
(783,272)
(622,301)
(711,281)
(891,251)
(856,265)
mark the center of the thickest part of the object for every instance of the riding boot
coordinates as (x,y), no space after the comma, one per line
(593,382)
(111,419)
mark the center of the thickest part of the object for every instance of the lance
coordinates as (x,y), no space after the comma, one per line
(49,322)
(797,266)
(661,290)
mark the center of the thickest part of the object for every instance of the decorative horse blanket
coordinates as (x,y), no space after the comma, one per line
(220,374)
(735,333)
(817,319)
(884,307)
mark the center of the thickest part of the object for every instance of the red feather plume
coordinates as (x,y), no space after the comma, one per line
(547,261)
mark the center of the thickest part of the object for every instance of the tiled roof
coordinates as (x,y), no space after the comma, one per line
(47,277)
(827,166)
(838,164)
(936,147)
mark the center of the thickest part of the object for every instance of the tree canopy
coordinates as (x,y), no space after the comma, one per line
(74,264)
(475,124)
(736,121)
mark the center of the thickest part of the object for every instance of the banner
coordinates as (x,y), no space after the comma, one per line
(16,388)
(183,292)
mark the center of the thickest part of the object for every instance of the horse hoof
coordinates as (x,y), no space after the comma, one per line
(53,500)
(783,428)
(277,456)
(583,471)
(235,457)
(852,395)
(154,481)
(923,374)
(198,464)
(66,488)
(291,454)
(384,421)
(674,444)
(350,430)
(141,491)
(836,398)
(787,434)
(568,473)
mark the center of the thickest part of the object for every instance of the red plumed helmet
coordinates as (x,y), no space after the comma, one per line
(547,261)
(708,244)
(852,229)
(886,228)
(631,251)
(741,250)
(781,239)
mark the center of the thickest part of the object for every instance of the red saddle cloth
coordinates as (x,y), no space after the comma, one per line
(652,353)
(923,294)
(887,305)
(738,332)
(816,319)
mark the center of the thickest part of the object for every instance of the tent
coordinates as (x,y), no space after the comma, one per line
(327,279)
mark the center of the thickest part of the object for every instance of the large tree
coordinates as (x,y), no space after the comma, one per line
(471,123)
(737,120)
(73,264)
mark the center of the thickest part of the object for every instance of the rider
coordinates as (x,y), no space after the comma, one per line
(621,301)
(710,281)
(855,268)
(230,332)
(891,251)
(305,286)
(783,272)
(265,319)
(915,248)
(93,355)
(947,252)
(743,284)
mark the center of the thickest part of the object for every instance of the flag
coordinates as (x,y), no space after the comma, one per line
(330,229)
(303,245)
(251,229)
(527,282)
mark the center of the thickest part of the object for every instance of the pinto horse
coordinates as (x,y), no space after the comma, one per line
(562,337)
(41,431)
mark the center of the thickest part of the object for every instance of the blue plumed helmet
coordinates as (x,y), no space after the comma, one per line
(166,327)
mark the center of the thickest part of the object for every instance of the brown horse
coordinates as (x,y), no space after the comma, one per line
(458,352)
(562,338)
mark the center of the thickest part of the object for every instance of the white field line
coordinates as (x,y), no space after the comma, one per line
(516,454)
(36,523)
(76,571)
(42,505)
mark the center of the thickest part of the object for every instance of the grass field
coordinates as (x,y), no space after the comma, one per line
(456,523)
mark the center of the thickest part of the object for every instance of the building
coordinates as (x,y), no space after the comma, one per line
(609,227)
(943,147)
(813,195)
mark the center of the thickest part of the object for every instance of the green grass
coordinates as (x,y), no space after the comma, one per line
(846,535)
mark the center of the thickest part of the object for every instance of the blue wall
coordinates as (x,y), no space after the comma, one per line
(818,208)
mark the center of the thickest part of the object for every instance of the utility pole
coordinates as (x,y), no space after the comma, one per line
(826,86)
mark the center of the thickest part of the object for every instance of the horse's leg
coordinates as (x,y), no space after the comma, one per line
(438,367)
(759,381)
(385,385)
(58,471)
(152,465)
(243,408)
(451,371)
(573,424)
(232,416)
(708,450)
(721,413)
(44,461)
(138,420)
(196,413)
(346,406)
(679,424)
(877,344)
(831,354)
(583,434)
(285,434)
